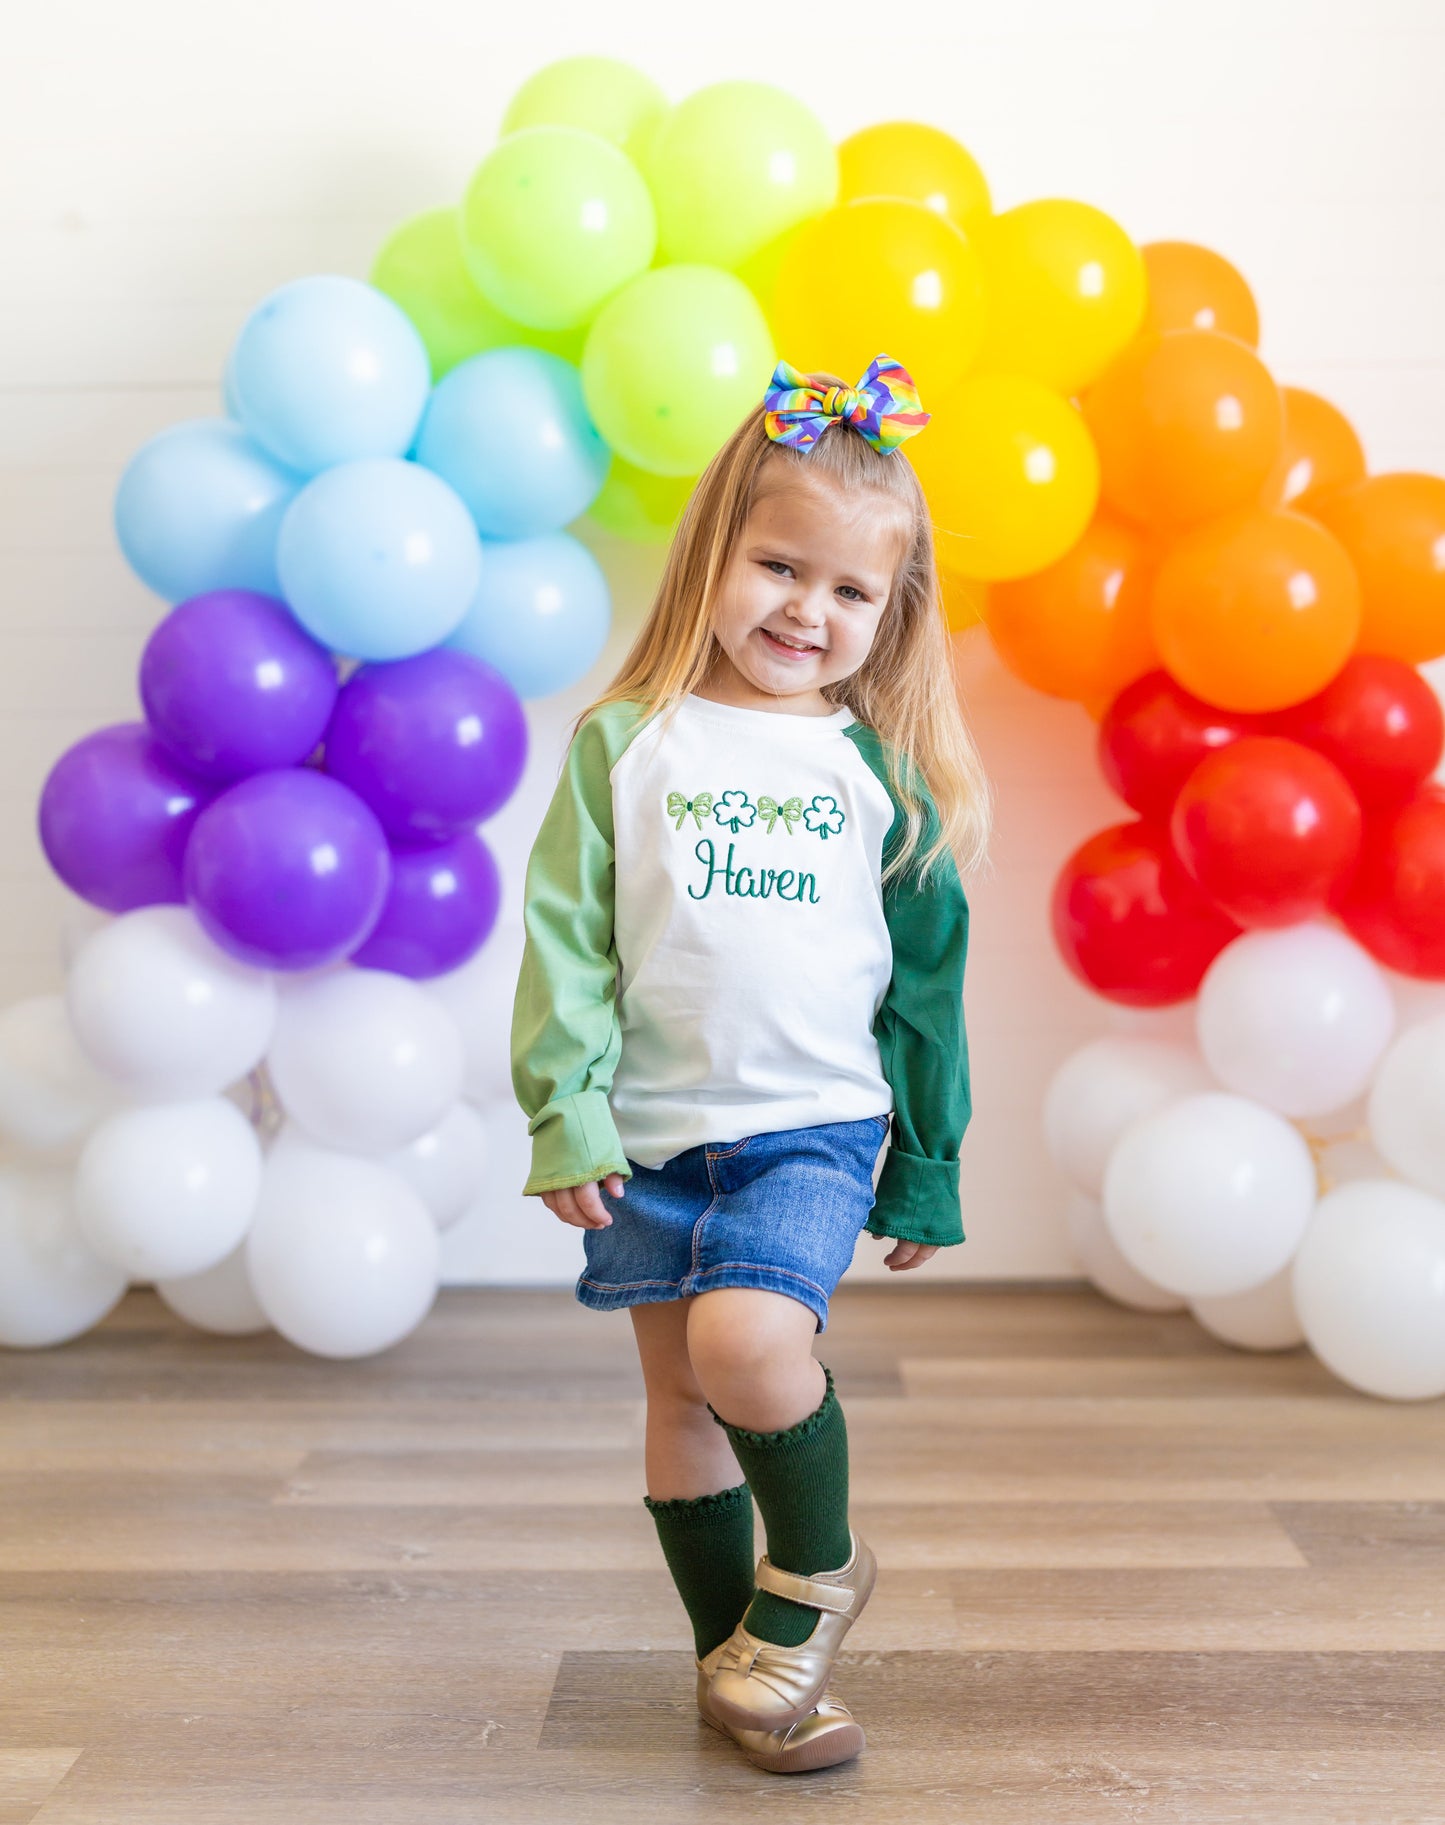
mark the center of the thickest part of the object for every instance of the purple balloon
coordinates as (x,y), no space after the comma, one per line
(115,815)
(233,684)
(443,902)
(288,870)
(433,743)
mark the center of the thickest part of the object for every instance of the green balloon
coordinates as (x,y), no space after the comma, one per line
(636,504)
(554,220)
(735,166)
(421,269)
(599,94)
(673,364)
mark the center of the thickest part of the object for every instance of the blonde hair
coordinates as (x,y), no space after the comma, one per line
(904,688)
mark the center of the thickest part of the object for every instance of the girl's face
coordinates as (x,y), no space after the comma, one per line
(811,569)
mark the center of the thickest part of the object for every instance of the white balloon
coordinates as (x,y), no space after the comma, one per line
(169,1189)
(1296,1018)
(1105,1085)
(158,1006)
(1260,1318)
(79,920)
(1209,1195)
(1106,1268)
(343,1255)
(53,1287)
(444,1166)
(1369,1286)
(51,1095)
(364,1060)
(1407,1105)
(479,997)
(220,1300)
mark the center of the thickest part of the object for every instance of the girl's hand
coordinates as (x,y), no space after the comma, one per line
(580,1205)
(909,1254)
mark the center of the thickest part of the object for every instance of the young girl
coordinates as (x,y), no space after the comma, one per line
(745,941)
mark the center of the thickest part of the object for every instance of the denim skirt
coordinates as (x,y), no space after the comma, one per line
(780,1211)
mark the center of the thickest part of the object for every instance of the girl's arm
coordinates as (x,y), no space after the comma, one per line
(924,1048)
(566,1040)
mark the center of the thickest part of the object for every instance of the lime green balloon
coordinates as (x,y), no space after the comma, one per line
(553,222)
(735,166)
(421,269)
(636,504)
(673,364)
(599,94)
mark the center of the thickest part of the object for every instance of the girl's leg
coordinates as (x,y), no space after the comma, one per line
(686,1454)
(752,1354)
(702,1510)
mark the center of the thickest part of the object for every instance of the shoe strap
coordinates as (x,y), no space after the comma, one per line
(812,1591)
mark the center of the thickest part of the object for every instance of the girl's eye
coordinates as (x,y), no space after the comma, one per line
(776,564)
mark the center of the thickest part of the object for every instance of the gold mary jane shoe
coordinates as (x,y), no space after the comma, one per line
(829,1734)
(758,1685)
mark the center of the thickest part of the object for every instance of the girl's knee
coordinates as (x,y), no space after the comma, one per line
(739,1333)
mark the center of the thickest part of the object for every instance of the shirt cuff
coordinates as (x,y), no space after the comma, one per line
(917,1200)
(574,1141)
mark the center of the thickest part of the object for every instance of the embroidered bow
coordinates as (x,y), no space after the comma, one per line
(790,810)
(883,406)
(678,806)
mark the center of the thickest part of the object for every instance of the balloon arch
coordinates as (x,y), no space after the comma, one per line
(260,1088)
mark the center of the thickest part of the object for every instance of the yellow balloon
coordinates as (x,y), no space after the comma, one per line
(881,276)
(1011,475)
(907,158)
(964,600)
(1067,289)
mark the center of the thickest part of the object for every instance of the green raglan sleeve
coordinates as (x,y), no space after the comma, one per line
(566,1039)
(924,1048)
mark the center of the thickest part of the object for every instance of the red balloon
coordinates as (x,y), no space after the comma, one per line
(1396,903)
(1155,733)
(1378,721)
(1130,923)
(1268,829)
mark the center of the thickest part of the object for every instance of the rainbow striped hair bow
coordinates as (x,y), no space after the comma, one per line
(883,406)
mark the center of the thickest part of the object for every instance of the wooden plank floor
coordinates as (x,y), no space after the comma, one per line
(1126,1574)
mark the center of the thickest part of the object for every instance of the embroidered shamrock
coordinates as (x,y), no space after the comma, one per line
(823,816)
(679,805)
(790,811)
(734,812)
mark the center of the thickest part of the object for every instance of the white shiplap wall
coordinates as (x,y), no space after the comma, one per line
(163,165)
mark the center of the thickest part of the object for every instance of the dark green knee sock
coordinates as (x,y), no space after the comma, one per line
(800,1477)
(708,1545)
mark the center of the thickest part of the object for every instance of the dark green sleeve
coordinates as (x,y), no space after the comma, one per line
(922,1039)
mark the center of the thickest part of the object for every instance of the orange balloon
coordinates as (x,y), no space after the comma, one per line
(1194,288)
(1255,610)
(1188,425)
(1393,527)
(963,600)
(911,159)
(1321,451)
(880,276)
(1080,629)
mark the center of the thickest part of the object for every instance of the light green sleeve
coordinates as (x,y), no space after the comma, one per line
(921,1036)
(566,1039)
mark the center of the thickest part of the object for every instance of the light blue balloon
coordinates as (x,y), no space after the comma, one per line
(229,399)
(199,507)
(378,559)
(328,370)
(509,430)
(542,614)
